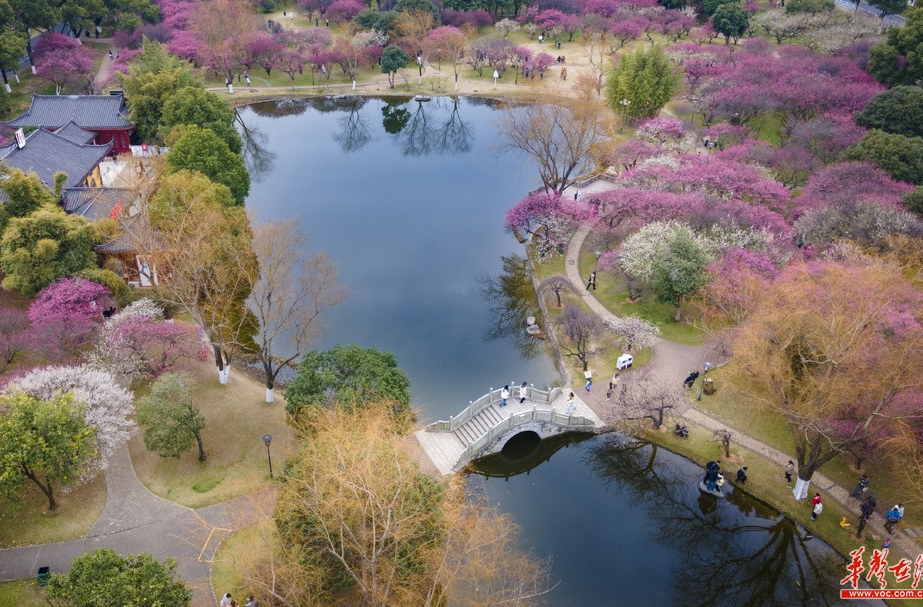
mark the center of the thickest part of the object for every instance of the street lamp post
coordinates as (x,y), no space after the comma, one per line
(268,439)
(706,366)
(625,103)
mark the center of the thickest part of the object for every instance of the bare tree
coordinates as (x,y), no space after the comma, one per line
(559,138)
(650,397)
(290,292)
(557,284)
(582,329)
(200,260)
(723,436)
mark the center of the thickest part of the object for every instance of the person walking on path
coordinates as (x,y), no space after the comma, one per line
(789,471)
(504,394)
(522,393)
(576,195)
(571,404)
(866,509)
(861,487)
(817,506)
(592,281)
(110,54)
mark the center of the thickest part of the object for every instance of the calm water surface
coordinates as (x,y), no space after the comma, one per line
(408,198)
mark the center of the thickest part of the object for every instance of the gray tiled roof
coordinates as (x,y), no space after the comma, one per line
(98,203)
(91,112)
(46,154)
(72,132)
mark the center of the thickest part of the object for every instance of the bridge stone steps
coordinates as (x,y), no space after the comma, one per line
(447,449)
(479,425)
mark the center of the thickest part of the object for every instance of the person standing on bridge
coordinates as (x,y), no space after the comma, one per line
(504,394)
(571,404)
(522,393)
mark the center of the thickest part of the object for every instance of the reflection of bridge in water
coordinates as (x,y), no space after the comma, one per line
(484,427)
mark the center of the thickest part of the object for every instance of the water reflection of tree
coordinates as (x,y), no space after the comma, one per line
(734,552)
(257,156)
(417,136)
(355,132)
(394,117)
(511,299)
(280,108)
(455,135)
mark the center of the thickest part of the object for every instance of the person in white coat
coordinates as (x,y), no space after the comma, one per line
(523,390)
(504,394)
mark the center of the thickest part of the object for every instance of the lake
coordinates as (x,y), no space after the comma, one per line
(408,198)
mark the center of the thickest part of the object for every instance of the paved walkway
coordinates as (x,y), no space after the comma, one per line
(135,520)
(105,69)
(676,361)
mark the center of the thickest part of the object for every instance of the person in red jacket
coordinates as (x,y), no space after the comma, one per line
(816,506)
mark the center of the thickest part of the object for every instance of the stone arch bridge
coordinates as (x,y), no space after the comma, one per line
(483,428)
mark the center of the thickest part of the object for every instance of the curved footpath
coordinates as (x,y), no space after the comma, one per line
(135,520)
(676,361)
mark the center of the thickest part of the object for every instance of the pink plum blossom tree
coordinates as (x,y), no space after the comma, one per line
(65,314)
(63,60)
(550,217)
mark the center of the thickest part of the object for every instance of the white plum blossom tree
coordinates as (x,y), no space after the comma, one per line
(637,254)
(144,307)
(109,406)
(635,333)
(638,251)
(506,27)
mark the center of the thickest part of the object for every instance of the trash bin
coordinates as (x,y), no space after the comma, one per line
(709,386)
(44,574)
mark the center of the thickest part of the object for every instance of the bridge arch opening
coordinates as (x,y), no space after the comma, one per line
(521,445)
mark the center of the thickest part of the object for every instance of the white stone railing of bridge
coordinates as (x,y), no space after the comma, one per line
(491,398)
(518,419)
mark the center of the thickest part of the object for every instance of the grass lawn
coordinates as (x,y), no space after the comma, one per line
(236,418)
(612,293)
(769,428)
(23,593)
(21,96)
(545,270)
(30,83)
(77,511)
(602,364)
(236,554)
